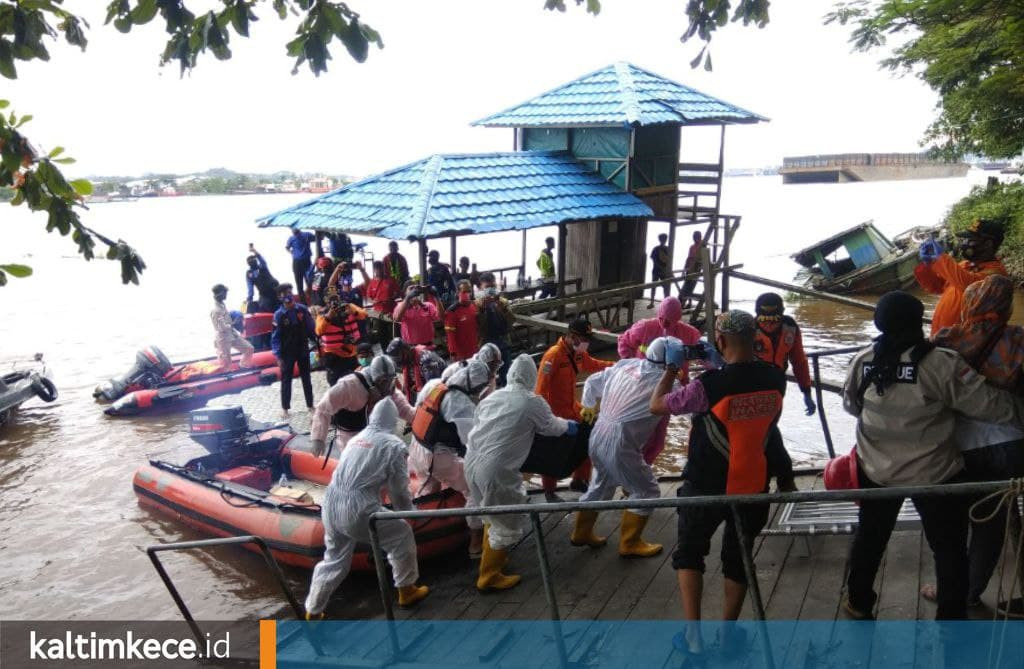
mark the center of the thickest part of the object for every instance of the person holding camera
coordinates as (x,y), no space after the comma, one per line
(339,332)
(735,409)
(494,320)
(417,313)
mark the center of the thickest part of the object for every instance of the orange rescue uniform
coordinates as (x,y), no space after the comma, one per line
(556,381)
(947,278)
(782,346)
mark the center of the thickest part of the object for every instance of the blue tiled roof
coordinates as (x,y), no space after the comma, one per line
(467,193)
(620,94)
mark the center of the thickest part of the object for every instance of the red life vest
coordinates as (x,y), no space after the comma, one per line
(774,347)
(340,340)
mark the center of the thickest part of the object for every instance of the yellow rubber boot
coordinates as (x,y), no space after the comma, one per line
(631,544)
(492,561)
(408,595)
(583,531)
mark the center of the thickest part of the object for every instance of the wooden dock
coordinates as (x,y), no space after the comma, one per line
(801,578)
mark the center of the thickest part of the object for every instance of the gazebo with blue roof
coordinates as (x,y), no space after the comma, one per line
(600,152)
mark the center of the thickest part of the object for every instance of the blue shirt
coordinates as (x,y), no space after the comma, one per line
(252,274)
(299,245)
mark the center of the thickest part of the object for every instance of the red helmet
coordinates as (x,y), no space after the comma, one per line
(323,262)
(841,472)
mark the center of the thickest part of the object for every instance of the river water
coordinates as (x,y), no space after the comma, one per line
(72,538)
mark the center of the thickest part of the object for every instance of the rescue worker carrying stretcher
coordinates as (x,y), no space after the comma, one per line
(440,430)
(556,383)
(349,401)
(735,409)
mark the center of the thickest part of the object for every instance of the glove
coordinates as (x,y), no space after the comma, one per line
(674,354)
(319,447)
(712,358)
(809,405)
(930,250)
(588,415)
(573,428)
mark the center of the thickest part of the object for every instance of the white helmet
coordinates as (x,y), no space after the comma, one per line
(657,348)
(382,374)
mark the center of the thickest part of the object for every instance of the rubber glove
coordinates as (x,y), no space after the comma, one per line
(573,428)
(588,415)
(674,354)
(319,447)
(925,252)
(713,359)
(809,406)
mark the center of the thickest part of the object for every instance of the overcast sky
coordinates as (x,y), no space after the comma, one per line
(445,64)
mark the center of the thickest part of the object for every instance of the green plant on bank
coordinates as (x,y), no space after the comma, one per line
(1003,202)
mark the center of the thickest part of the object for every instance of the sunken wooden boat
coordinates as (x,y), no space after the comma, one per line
(861,260)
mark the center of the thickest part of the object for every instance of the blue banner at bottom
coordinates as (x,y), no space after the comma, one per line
(656,643)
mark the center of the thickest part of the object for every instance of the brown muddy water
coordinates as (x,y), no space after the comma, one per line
(72,537)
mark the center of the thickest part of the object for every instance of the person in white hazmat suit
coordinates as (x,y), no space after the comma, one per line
(374,459)
(352,398)
(623,426)
(490,355)
(503,431)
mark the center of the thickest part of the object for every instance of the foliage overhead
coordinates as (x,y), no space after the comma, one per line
(1001,202)
(971,52)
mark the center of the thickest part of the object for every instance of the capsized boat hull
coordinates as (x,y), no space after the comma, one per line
(293,531)
(19,386)
(894,273)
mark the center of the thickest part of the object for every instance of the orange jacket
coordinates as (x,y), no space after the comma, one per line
(783,346)
(947,278)
(556,381)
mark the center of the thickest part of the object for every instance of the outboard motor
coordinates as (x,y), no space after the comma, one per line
(148,372)
(218,429)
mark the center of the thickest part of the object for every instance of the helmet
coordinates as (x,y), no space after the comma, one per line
(397,348)
(658,348)
(323,262)
(841,472)
(382,373)
(431,365)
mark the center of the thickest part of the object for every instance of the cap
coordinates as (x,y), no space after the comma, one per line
(985,227)
(735,322)
(364,347)
(323,262)
(582,327)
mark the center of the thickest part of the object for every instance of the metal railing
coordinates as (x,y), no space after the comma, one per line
(734,502)
(815,357)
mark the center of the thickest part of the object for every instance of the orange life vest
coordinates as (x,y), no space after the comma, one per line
(748,417)
(429,426)
(340,340)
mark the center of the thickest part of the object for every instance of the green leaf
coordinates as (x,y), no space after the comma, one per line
(594,7)
(57,150)
(4,104)
(7,60)
(19,271)
(64,161)
(143,12)
(24,119)
(3,279)
(82,186)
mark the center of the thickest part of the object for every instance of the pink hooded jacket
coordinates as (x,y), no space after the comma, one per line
(633,343)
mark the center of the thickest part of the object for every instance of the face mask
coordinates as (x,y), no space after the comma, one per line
(252,264)
(582,347)
(365,362)
(490,291)
(465,298)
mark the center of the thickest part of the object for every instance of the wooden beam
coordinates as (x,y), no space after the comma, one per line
(423,259)
(455,260)
(709,292)
(524,254)
(563,236)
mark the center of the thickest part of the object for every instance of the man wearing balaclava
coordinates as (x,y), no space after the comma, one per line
(938,273)
(907,395)
(258,277)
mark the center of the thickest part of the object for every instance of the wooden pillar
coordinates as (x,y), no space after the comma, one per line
(455,260)
(423,259)
(709,293)
(562,238)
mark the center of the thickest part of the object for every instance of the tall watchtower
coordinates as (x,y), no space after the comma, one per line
(624,122)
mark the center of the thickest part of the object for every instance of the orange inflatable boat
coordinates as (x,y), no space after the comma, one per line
(267,482)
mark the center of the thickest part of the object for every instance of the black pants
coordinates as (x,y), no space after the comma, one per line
(287,364)
(944,519)
(299,269)
(780,465)
(548,289)
(991,463)
(658,275)
(697,524)
(337,366)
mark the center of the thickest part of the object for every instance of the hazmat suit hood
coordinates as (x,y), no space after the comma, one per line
(489,354)
(658,348)
(670,311)
(381,371)
(384,417)
(472,378)
(523,373)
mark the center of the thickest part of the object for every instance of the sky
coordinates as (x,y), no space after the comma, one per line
(445,64)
